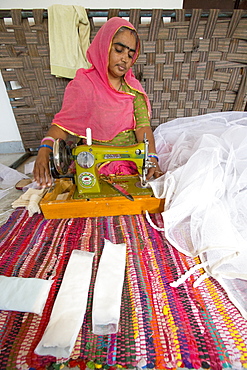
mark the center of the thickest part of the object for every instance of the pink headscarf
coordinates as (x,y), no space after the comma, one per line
(90,101)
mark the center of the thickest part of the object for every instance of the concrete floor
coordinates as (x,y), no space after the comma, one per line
(10,158)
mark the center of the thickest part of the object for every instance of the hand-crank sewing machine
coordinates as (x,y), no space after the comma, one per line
(88,159)
(91,194)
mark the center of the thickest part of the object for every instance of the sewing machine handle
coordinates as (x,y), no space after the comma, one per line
(147,164)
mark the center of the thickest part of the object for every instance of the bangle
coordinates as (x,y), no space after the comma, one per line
(152,155)
(48,138)
(45,146)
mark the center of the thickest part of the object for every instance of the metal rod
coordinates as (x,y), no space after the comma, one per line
(94,13)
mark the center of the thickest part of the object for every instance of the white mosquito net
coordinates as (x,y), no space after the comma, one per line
(204,159)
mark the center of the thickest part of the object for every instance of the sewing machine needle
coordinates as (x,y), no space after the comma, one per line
(120,189)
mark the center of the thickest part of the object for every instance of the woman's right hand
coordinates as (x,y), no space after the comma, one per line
(41,171)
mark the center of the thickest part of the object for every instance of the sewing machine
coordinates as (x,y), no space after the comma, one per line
(89,158)
(89,193)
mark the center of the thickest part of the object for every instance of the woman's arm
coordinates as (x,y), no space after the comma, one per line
(41,170)
(140,132)
(143,127)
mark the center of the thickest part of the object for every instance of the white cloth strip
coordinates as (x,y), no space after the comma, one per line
(24,294)
(187,274)
(200,279)
(108,289)
(69,308)
(152,224)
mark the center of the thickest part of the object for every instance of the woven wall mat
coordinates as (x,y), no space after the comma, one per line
(191,63)
(160,326)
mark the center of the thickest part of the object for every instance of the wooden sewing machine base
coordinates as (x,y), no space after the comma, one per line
(55,206)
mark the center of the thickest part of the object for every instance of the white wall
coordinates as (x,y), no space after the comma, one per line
(8,127)
(93,4)
(9,130)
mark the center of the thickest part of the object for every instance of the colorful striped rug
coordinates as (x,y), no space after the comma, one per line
(160,327)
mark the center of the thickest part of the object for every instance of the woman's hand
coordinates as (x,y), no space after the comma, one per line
(154,171)
(41,172)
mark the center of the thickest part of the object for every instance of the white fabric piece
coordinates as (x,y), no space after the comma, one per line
(205,185)
(23,294)
(152,224)
(30,200)
(69,308)
(187,274)
(108,289)
(9,177)
(28,167)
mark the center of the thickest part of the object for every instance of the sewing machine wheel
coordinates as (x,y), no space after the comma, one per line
(61,156)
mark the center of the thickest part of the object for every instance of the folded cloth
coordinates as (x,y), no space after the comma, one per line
(23,294)
(119,168)
(69,308)
(30,199)
(108,289)
(69,32)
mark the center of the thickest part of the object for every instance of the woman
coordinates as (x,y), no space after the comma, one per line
(106,98)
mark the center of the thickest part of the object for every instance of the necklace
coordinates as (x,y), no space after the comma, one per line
(120,85)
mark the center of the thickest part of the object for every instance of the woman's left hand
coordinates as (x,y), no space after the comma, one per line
(154,171)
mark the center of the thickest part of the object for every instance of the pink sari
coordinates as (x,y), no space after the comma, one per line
(90,101)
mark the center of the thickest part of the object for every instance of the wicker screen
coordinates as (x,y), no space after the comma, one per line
(191,63)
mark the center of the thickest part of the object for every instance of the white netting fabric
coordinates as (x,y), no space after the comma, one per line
(205,185)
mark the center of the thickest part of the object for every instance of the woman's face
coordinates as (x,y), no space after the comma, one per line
(121,54)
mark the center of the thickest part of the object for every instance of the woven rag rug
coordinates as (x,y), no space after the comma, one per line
(160,326)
